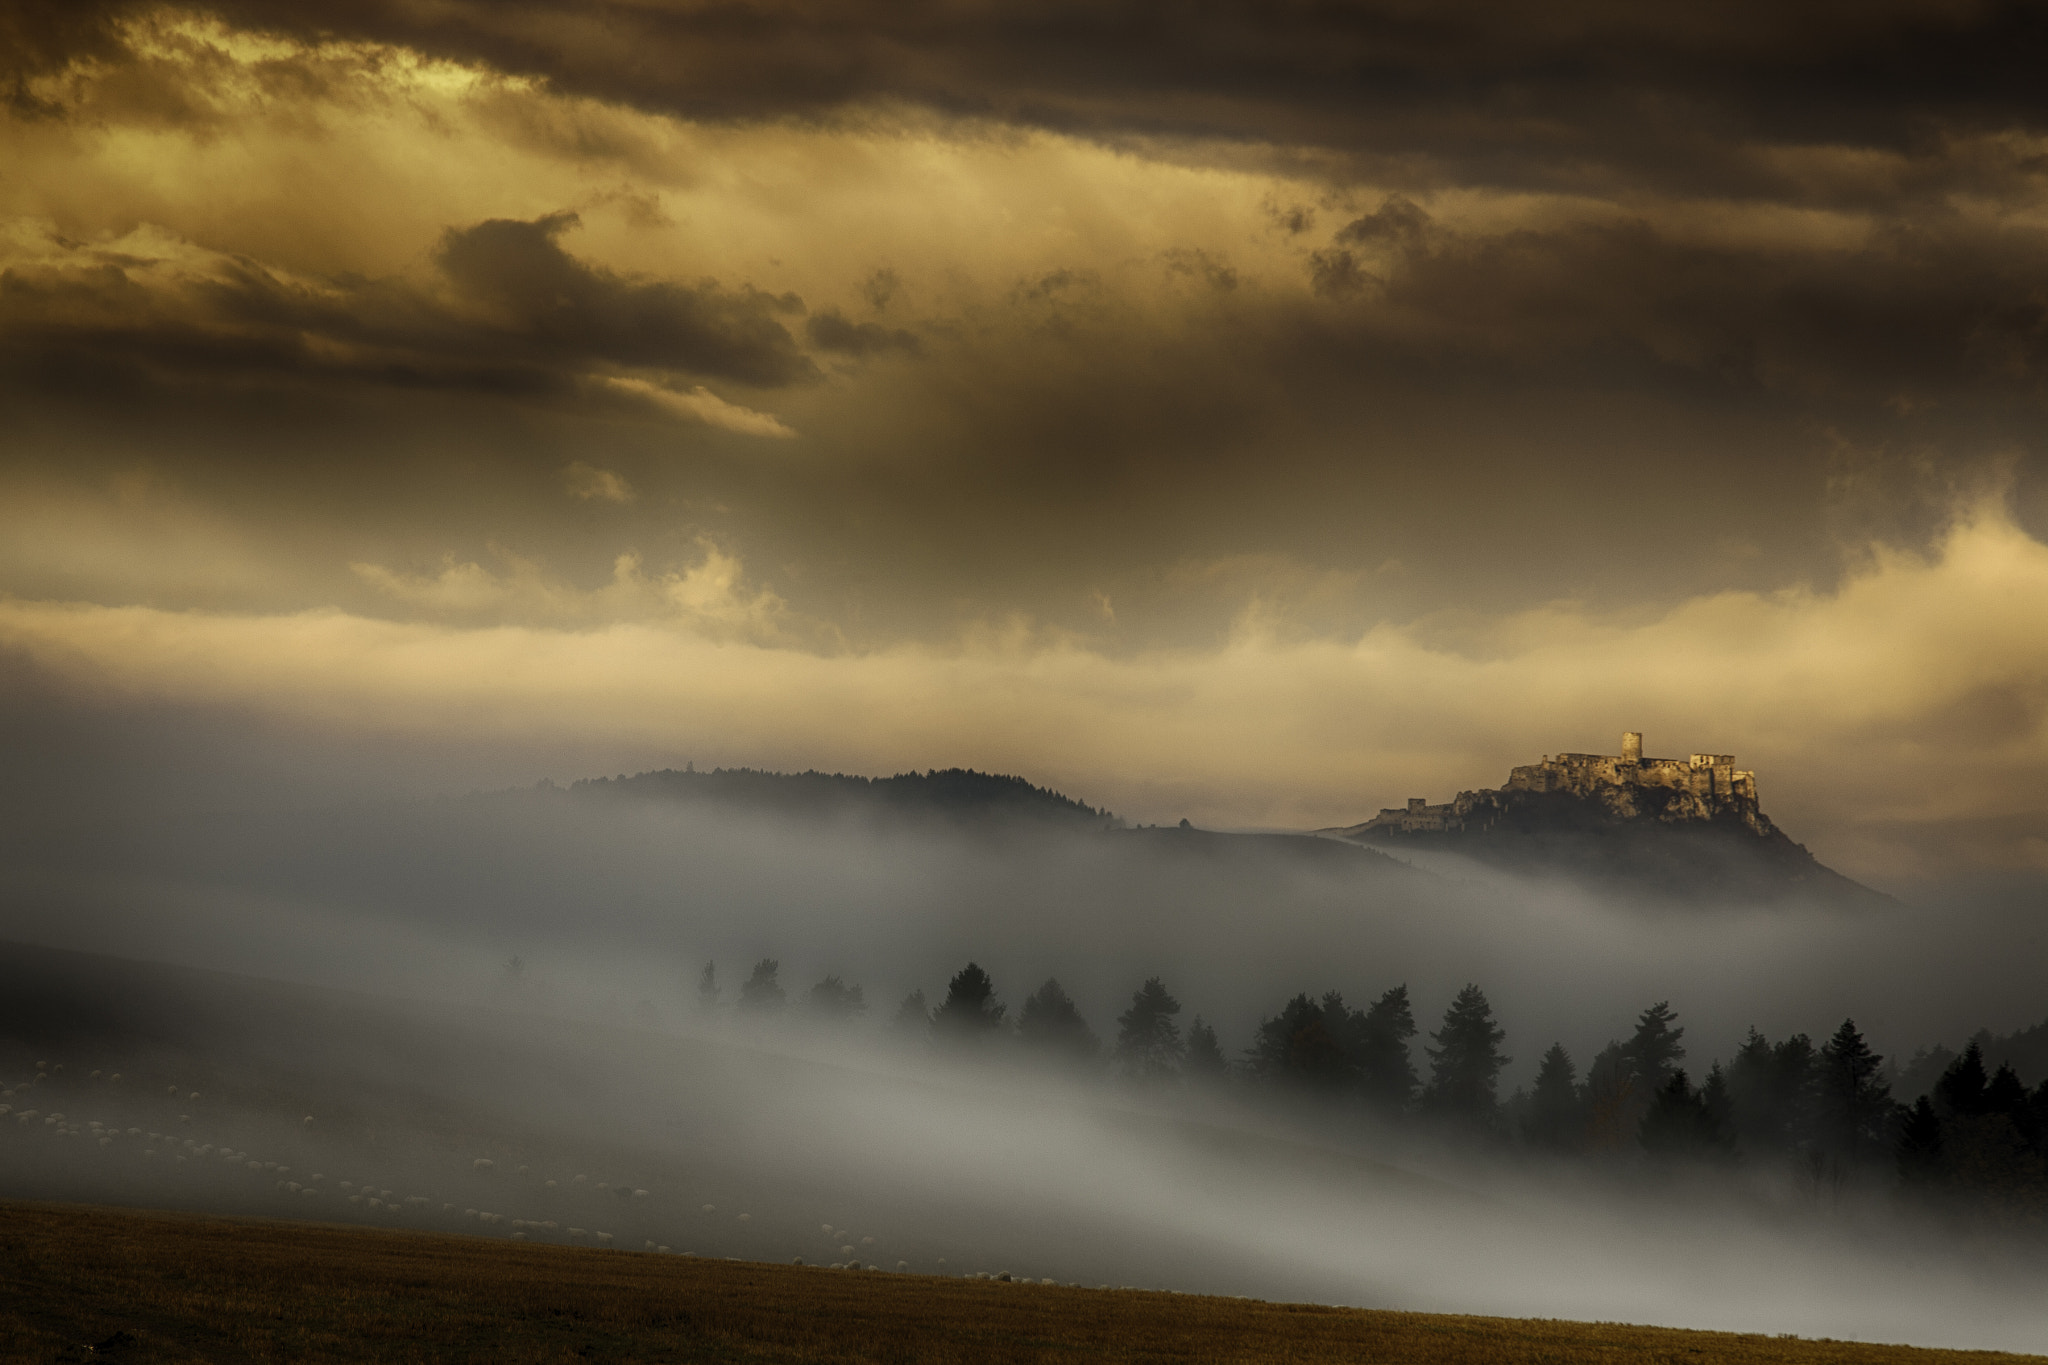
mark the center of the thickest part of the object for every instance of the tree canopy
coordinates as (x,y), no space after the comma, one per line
(1051,1023)
(970,1010)
(1466,1061)
(1853,1103)
(834,999)
(1148,1041)
(1205,1060)
(762,991)
(1555,1119)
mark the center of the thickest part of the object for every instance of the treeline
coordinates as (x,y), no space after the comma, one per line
(1824,1111)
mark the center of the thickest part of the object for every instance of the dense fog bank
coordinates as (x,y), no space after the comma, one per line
(613,906)
(246,1097)
(519,978)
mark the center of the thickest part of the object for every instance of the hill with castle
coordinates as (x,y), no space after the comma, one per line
(1684,829)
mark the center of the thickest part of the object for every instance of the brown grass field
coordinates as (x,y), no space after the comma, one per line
(86,1283)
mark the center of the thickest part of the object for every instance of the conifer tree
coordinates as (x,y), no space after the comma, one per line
(834,999)
(1655,1050)
(1386,1069)
(1556,1116)
(913,1018)
(1919,1146)
(707,987)
(1346,1029)
(1465,1064)
(1148,1041)
(1295,1047)
(1684,1123)
(2008,1096)
(1671,1126)
(1960,1091)
(1205,1061)
(969,1011)
(762,992)
(1770,1088)
(1717,1105)
(1853,1103)
(1611,1100)
(1051,1023)
(1749,1086)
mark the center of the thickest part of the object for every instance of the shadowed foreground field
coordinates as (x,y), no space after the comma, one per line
(82,1283)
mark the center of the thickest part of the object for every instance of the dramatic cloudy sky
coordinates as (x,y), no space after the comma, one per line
(1259,412)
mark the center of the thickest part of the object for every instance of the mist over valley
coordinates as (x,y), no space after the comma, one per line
(566,984)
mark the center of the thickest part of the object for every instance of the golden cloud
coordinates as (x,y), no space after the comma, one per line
(589,483)
(709,599)
(1880,714)
(700,404)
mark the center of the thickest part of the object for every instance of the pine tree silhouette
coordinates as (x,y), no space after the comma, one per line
(1148,1042)
(1051,1023)
(1205,1060)
(1385,1067)
(1556,1119)
(1465,1064)
(762,992)
(969,1011)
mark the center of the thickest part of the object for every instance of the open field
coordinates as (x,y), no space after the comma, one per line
(79,1283)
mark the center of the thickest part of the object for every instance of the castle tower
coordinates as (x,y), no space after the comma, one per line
(1632,746)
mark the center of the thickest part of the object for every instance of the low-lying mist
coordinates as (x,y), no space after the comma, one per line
(171,1088)
(513,979)
(614,904)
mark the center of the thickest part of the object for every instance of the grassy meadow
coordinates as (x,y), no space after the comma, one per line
(88,1283)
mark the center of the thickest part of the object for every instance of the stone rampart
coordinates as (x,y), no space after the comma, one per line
(1627,785)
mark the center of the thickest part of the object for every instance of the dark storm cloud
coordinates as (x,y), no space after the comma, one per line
(832,330)
(511,312)
(1129,369)
(1911,304)
(1910,312)
(1399,222)
(38,39)
(1896,322)
(1564,94)
(1335,274)
(559,305)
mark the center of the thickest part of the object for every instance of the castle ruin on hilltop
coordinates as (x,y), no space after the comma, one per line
(1706,775)
(1626,786)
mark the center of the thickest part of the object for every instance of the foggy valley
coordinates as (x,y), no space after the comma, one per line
(501,1026)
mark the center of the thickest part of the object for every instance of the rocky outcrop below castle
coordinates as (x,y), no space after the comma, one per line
(1687,829)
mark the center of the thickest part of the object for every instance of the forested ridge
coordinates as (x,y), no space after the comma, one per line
(956,792)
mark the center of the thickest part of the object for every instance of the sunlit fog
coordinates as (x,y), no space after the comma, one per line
(631,1014)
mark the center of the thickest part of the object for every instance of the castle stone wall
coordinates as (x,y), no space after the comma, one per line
(1700,787)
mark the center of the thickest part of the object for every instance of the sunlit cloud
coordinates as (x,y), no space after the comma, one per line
(589,483)
(1911,666)
(699,404)
(710,599)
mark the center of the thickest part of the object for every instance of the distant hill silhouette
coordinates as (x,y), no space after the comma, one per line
(957,794)
(1670,830)
(962,797)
